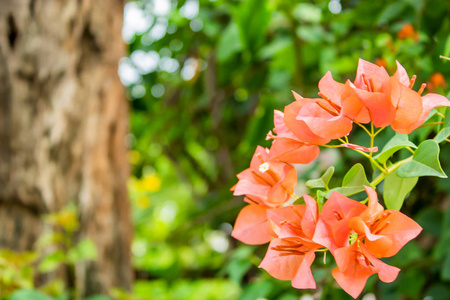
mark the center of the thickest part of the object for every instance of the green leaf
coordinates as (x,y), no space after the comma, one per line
(97,297)
(447,113)
(84,250)
(445,271)
(320,198)
(307,12)
(444,240)
(390,12)
(326,177)
(396,189)
(52,261)
(258,289)
(229,43)
(353,182)
(321,182)
(442,135)
(425,162)
(397,142)
(28,294)
(279,44)
(252,18)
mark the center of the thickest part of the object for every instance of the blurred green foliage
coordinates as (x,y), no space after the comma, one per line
(57,251)
(203,79)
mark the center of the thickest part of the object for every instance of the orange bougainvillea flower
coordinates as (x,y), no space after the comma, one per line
(357,235)
(287,146)
(298,127)
(373,86)
(384,232)
(292,251)
(272,182)
(355,264)
(411,108)
(332,229)
(391,100)
(266,184)
(331,116)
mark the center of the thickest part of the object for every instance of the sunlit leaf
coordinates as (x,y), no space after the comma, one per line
(396,188)
(353,182)
(397,142)
(442,135)
(321,182)
(425,162)
(28,295)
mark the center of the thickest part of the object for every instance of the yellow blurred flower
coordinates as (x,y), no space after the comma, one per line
(142,202)
(134,157)
(151,183)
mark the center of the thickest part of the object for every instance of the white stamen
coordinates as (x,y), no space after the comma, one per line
(264,167)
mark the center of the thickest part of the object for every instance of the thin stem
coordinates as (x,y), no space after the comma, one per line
(391,169)
(342,141)
(371,138)
(440,115)
(410,150)
(373,161)
(431,124)
(378,131)
(332,146)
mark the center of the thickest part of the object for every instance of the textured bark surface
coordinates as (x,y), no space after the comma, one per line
(63,121)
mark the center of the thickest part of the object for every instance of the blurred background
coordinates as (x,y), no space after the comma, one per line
(202,79)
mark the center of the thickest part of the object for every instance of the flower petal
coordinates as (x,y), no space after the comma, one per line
(400,230)
(408,105)
(303,278)
(293,151)
(283,267)
(430,101)
(298,127)
(251,226)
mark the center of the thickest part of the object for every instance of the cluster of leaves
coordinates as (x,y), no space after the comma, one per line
(55,253)
(200,108)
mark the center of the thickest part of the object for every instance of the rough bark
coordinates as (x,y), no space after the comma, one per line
(63,121)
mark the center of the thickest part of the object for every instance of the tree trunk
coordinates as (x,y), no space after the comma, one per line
(63,122)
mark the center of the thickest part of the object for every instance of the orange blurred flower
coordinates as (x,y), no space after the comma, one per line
(437,80)
(407,31)
(381,62)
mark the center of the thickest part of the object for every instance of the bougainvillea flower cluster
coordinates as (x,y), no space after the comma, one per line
(357,235)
